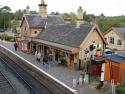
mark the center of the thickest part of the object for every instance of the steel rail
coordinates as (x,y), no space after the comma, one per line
(8,61)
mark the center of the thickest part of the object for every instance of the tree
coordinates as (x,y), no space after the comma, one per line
(88,17)
(102,14)
(103,23)
(5,9)
(5,17)
(33,12)
(55,13)
(73,17)
(18,14)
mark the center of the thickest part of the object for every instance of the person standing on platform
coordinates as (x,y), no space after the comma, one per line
(45,61)
(50,58)
(38,56)
(15,46)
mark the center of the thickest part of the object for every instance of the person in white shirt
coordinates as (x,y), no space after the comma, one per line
(38,56)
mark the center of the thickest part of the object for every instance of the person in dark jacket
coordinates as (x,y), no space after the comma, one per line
(45,61)
(15,46)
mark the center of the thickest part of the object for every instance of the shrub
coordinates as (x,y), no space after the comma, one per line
(120,89)
(7,38)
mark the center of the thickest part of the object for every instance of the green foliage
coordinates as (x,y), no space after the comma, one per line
(11,20)
(5,17)
(120,89)
(55,13)
(102,21)
(5,20)
(88,17)
(14,24)
(7,38)
(18,15)
(105,23)
(33,12)
(5,9)
(71,17)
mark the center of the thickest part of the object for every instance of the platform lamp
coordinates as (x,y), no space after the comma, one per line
(86,52)
(86,78)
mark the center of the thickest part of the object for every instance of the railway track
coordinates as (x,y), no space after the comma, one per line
(36,86)
(5,86)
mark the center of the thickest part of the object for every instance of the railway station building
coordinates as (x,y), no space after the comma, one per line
(50,35)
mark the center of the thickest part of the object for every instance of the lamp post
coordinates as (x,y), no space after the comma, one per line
(86,78)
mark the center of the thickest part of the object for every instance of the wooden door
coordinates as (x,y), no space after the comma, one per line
(116,75)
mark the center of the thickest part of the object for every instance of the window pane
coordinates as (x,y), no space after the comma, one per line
(112,40)
(119,42)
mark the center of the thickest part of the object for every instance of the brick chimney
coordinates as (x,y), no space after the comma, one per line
(79,17)
(27,9)
(43,9)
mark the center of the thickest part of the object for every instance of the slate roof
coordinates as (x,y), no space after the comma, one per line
(65,34)
(39,22)
(120,30)
(121,53)
(116,58)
